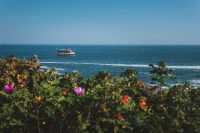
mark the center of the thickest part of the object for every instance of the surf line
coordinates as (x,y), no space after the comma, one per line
(123,65)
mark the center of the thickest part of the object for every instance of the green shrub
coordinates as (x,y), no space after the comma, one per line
(43,101)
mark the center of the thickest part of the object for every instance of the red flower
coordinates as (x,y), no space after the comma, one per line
(143,102)
(65,92)
(125,98)
(119,116)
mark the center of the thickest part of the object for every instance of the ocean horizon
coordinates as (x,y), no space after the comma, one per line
(90,59)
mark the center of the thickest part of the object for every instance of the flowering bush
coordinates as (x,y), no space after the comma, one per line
(35,100)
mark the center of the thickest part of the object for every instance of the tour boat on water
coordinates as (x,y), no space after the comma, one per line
(67,52)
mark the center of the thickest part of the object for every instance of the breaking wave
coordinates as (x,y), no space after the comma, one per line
(123,65)
(58,69)
(196,81)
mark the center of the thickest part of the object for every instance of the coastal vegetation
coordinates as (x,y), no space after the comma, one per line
(33,99)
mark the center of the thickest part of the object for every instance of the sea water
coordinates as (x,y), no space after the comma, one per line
(90,59)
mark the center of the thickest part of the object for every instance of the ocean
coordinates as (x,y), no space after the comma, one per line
(90,59)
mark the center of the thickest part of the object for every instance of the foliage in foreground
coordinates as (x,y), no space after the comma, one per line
(35,100)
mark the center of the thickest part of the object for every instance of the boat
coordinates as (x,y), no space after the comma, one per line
(67,52)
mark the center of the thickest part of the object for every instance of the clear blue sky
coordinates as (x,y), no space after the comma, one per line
(100,21)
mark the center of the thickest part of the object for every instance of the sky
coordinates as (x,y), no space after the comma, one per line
(100,22)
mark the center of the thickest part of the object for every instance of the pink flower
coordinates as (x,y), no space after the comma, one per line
(79,90)
(9,88)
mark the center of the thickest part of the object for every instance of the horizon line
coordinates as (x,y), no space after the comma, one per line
(104,44)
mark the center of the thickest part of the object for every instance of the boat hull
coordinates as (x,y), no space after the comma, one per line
(66,54)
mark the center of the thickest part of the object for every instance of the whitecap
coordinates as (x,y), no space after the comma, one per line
(60,69)
(196,81)
(44,67)
(123,65)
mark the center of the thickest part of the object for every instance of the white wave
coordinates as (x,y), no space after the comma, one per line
(46,67)
(60,69)
(196,81)
(97,64)
(122,65)
(184,67)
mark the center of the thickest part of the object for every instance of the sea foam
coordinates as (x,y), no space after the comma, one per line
(196,81)
(58,69)
(123,65)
